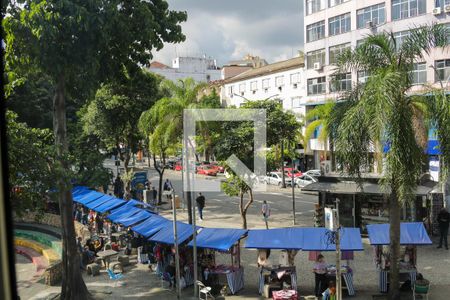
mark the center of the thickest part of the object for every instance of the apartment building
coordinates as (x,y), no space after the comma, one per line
(334,25)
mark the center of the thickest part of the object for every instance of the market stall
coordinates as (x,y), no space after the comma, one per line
(274,276)
(320,239)
(222,240)
(411,235)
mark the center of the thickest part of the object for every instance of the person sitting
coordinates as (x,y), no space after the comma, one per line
(98,245)
(330,292)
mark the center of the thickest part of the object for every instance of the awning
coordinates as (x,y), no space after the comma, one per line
(165,235)
(433,148)
(87,197)
(99,201)
(123,213)
(218,238)
(134,219)
(318,239)
(278,238)
(410,234)
(80,190)
(111,204)
(151,226)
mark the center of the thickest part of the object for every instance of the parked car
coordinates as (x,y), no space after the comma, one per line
(288,172)
(178,166)
(276,179)
(219,168)
(304,180)
(206,170)
(314,173)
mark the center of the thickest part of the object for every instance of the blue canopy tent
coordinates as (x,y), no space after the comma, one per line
(221,239)
(166,236)
(123,213)
(317,239)
(410,234)
(87,197)
(109,205)
(80,190)
(99,201)
(277,238)
(151,226)
(134,218)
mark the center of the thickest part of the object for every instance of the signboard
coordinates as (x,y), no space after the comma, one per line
(138,181)
(330,218)
(434,168)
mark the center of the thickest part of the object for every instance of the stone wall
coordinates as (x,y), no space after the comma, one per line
(53,274)
(47,219)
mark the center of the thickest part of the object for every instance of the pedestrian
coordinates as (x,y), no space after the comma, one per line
(154,195)
(265,211)
(167,188)
(118,187)
(148,185)
(444,221)
(330,292)
(200,205)
(320,271)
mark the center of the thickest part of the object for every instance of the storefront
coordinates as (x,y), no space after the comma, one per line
(367,203)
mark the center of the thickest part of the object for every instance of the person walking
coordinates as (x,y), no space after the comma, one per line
(444,221)
(167,188)
(265,211)
(154,195)
(320,271)
(200,205)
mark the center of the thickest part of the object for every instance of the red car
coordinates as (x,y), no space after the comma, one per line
(220,169)
(207,170)
(288,172)
(178,166)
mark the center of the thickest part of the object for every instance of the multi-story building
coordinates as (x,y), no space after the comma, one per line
(334,25)
(201,69)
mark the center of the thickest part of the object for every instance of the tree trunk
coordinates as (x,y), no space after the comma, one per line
(283,181)
(242,211)
(126,163)
(161,174)
(189,205)
(72,286)
(394,233)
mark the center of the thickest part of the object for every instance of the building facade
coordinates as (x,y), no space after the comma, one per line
(334,25)
(201,69)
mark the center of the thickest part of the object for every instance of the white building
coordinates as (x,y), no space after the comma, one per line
(333,25)
(282,80)
(201,69)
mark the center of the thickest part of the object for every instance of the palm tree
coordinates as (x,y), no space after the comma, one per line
(319,119)
(381,111)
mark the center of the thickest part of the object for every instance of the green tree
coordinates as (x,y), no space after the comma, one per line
(30,153)
(113,115)
(381,111)
(79,44)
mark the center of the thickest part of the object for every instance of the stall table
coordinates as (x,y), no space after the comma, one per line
(281,271)
(285,295)
(106,255)
(383,279)
(232,276)
(347,276)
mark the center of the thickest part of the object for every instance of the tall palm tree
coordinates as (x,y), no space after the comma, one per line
(382,112)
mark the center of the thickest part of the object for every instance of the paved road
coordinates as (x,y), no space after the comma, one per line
(223,211)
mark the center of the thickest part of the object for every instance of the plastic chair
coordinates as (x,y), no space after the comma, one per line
(421,290)
(113,276)
(205,290)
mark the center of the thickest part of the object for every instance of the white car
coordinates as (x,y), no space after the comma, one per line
(314,173)
(276,179)
(304,180)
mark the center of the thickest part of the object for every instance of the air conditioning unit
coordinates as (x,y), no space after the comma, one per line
(437,11)
(370,24)
(317,66)
(447,8)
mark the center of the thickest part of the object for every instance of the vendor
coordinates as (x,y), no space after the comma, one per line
(320,271)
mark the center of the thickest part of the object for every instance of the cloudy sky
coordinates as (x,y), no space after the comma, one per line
(229,29)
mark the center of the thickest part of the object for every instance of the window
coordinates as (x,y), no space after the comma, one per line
(265,83)
(316,86)
(363,76)
(402,9)
(419,73)
(313,57)
(295,78)
(374,13)
(242,88)
(279,81)
(253,86)
(339,24)
(341,82)
(230,91)
(332,3)
(296,102)
(313,6)
(315,31)
(442,69)
(335,51)
(400,37)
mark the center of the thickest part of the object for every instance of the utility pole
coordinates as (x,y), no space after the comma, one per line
(283,181)
(177,254)
(194,248)
(293,192)
(338,255)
